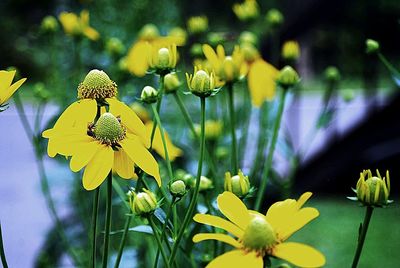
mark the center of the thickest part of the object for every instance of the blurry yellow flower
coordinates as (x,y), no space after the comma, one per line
(373,190)
(197,24)
(213,129)
(178,33)
(171,83)
(149,32)
(227,68)
(49,24)
(102,146)
(290,50)
(247,10)
(74,25)
(261,81)
(162,57)
(202,82)
(7,89)
(259,235)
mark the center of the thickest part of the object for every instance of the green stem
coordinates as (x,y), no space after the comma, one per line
(189,122)
(160,96)
(160,247)
(108,220)
(388,65)
(158,121)
(235,167)
(96,198)
(192,204)
(164,227)
(2,253)
(271,150)
(362,235)
(123,241)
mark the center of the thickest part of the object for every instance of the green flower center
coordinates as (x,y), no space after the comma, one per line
(201,81)
(163,57)
(97,85)
(108,129)
(259,234)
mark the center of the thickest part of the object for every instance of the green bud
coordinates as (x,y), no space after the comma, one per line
(332,74)
(201,83)
(149,32)
(248,37)
(274,18)
(142,203)
(287,77)
(196,50)
(49,24)
(238,184)
(215,39)
(171,82)
(114,46)
(348,95)
(373,190)
(149,95)
(178,188)
(372,46)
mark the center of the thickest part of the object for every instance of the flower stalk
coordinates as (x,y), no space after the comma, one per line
(108,220)
(123,241)
(362,235)
(160,96)
(163,254)
(96,198)
(2,253)
(235,165)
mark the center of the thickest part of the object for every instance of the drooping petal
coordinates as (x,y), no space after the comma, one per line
(220,237)
(261,81)
(6,78)
(8,92)
(123,165)
(65,144)
(83,154)
(158,146)
(98,168)
(91,33)
(211,56)
(237,258)
(300,219)
(234,209)
(299,254)
(137,59)
(129,119)
(219,223)
(141,156)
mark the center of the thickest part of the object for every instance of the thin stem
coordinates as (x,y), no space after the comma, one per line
(96,198)
(234,167)
(388,65)
(163,254)
(362,235)
(192,204)
(108,220)
(2,253)
(160,96)
(158,121)
(271,150)
(123,241)
(164,227)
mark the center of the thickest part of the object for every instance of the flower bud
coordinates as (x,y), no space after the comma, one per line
(247,10)
(348,95)
(205,184)
(214,39)
(162,59)
(40,91)
(178,33)
(287,77)
(248,37)
(198,24)
(238,184)
(177,188)
(97,85)
(201,83)
(142,203)
(332,74)
(49,24)
(114,46)
(274,18)
(149,95)
(372,46)
(149,32)
(171,83)
(375,190)
(290,51)
(196,50)
(250,52)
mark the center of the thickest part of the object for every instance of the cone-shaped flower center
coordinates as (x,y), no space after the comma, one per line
(163,57)
(259,234)
(108,129)
(97,85)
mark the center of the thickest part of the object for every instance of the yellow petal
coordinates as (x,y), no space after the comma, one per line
(219,223)
(220,52)
(234,209)
(299,254)
(303,199)
(6,78)
(220,237)
(78,115)
(65,145)
(123,165)
(10,90)
(261,81)
(137,59)
(129,119)
(91,33)
(98,168)
(237,258)
(158,146)
(211,56)
(141,156)
(299,219)
(83,155)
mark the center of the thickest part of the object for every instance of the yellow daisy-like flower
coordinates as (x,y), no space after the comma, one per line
(227,68)
(259,235)
(74,25)
(7,89)
(247,10)
(115,142)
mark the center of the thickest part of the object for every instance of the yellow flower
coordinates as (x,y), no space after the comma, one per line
(259,235)
(290,50)
(162,57)
(115,142)
(202,82)
(213,129)
(197,24)
(246,10)
(179,33)
(227,68)
(74,25)
(7,89)
(374,190)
